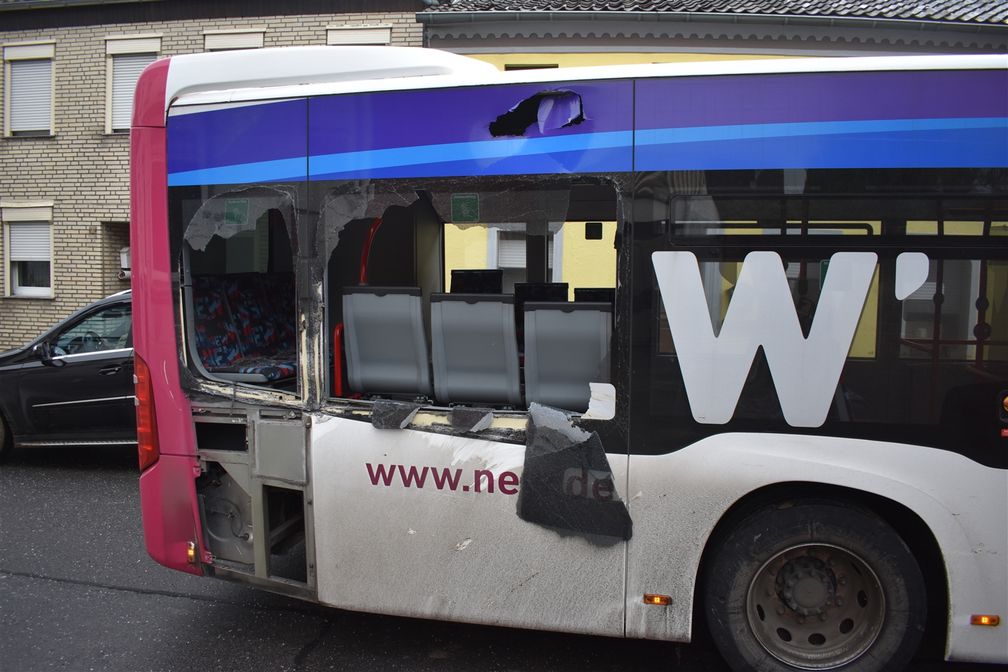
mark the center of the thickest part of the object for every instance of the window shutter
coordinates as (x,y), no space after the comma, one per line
(31,95)
(126,71)
(363,35)
(29,241)
(510,251)
(236,40)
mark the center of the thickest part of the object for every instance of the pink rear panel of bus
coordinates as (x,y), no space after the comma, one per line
(167,489)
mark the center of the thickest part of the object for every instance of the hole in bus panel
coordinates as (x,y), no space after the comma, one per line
(435,285)
(285,525)
(238,265)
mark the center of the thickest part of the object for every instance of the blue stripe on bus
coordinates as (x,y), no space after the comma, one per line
(946,148)
(479,152)
(280,170)
(609,151)
(615,159)
(664,136)
(887,143)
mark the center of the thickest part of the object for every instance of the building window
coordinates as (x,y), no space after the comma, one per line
(226,40)
(359,35)
(28,249)
(28,94)
(508,67)
(508,246)
(126,58)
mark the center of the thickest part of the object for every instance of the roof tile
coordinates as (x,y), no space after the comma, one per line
(947,11)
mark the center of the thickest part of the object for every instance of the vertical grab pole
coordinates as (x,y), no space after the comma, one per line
(366,250)
(337,354)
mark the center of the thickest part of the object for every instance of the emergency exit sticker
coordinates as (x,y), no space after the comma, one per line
(236,211)
(465,208)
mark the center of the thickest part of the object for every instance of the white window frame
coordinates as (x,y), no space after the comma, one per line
(554,247)
(378,35)
(35,51)
(15,213)
(237,38)
(124,45)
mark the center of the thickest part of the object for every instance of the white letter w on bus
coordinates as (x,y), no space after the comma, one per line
(762,313)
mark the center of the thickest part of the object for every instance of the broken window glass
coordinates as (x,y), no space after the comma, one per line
(429,283)
(240,303)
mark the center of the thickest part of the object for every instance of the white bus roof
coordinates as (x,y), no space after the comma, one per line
(295,72)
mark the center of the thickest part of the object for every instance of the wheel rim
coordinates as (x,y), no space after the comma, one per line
(815,606)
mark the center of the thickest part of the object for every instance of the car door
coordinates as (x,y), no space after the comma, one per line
(85,394)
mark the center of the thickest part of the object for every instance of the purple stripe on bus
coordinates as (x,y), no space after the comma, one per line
(715,101)
(246,134)
(439,116)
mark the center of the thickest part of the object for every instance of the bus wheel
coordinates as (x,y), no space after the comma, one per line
(815,586)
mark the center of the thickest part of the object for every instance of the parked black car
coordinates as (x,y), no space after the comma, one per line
(72,385)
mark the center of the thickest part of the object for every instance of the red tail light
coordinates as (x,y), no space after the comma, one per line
(147,439)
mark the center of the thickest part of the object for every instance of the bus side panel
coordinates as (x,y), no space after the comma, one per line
(451,549)
(167,490)
(684,494)
(696,123)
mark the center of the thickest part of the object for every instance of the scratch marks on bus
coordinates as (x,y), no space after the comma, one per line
(567,484)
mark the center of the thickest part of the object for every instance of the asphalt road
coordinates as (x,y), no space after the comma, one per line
(78,592)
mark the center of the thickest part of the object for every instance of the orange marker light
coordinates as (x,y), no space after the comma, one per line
(991,620)
(660,600)
(191,552)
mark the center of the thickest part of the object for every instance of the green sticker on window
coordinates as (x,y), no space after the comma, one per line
(465,208)
(236,211)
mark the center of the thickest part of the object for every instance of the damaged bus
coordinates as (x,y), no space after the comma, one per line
(634,351)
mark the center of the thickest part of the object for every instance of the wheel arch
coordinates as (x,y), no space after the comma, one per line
(917,535)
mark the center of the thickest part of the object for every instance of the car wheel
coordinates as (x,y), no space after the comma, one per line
(6,441)
(815,586)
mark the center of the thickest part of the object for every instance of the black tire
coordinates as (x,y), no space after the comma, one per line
(815,586)
(6,440)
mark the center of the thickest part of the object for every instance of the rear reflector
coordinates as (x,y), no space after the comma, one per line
(147,441)
(985,619)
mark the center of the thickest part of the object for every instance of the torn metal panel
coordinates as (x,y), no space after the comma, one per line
(567,483)
(387,414)
(602,405)
(549,110)
(464,419)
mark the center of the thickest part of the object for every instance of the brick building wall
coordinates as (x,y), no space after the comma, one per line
(84,172)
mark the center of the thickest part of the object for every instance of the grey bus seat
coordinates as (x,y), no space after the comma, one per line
(385,341)
(474,351)
(566,347)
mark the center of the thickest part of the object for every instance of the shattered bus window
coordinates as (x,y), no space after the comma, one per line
(239,267)
(465,291)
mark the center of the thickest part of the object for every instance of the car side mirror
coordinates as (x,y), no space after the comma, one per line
(44,352)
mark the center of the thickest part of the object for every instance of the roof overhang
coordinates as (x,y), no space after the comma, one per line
(572,31)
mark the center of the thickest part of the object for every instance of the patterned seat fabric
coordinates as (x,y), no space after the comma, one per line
(245,324)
